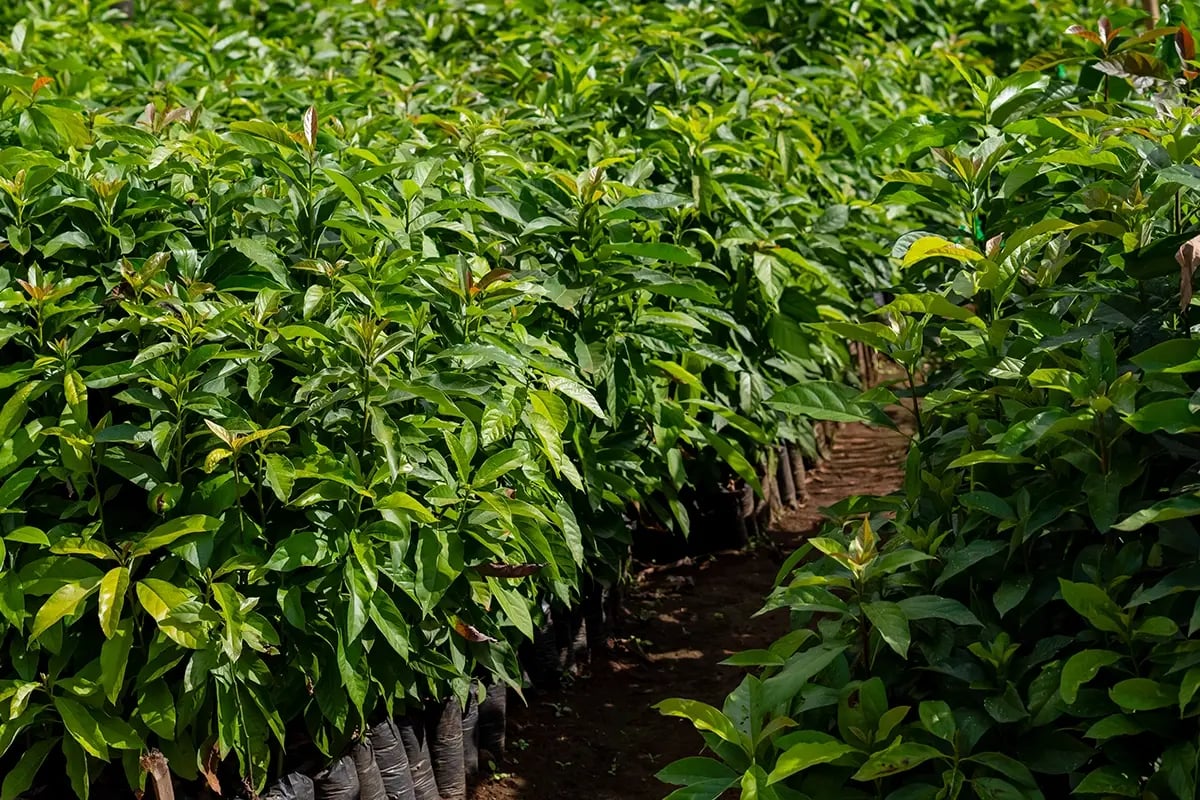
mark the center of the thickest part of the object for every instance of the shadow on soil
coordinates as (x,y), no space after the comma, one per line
(601,736)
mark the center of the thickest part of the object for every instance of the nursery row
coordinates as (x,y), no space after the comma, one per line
(1020,620)
(340,340)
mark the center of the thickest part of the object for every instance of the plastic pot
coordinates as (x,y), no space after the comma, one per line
(370,781)
(493,712)
(339,782)
(785,478)
(420,764)
(292,787)
(392,761)
(443,727)
(470,733)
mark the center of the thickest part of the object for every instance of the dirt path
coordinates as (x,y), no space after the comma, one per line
(600,738)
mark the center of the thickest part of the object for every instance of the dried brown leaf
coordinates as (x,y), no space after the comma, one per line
(470,632)
(1188,257)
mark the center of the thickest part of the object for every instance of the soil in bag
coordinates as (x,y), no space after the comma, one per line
(339,782)
(292,787)
(392,761)
(470,733)
(420,765)
(370,781)
(443,726)
(492,713)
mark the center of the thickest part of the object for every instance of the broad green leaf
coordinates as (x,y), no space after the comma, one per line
(938,718)
(657,251)
(1143,694)
(390,622)
(935,304)
(402,501)
(24,772)
(64,602)
(703,716)
(172,531)
(823,400)
(1081,668)
(82,725)
(1187,505)
(889,619)
(803,755)
(693,770)
(112,599)
(515,607)
(898,758)
(1091,602)
(1109,780)
(156,709)
(497,465)
(928,606)
(937,247)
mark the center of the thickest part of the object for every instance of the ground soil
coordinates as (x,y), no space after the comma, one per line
(600,737)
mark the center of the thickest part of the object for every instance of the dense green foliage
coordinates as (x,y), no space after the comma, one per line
(1020,620)
(321,322)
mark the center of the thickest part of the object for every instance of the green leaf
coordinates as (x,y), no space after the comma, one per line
(1081,668)
(800,669)
(938,718)
(391,623)
(498,465)
(402,501)
(12,414)
(988,503)
(77,767)
(1109,780)
(898,758)
(62,603)
(889,619)
(930,303)
(172,531)
(1187,505)
(1143,694)
(114,659)
(929,606)
(1188,687)
(823,400)
(733,457)
(571,530)
(987,457)
(156,709)
(687,771)
(657,251)
(515,607)
(937,247)
(262,254)
(1168,416)
(82,726)
(23,773)
(578,393)
(112,599)
(703,716)
(1114,725)
(1091,602)
(963,558)
(821,750)
(280,475)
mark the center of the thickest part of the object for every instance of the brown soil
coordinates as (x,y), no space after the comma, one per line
(601,738)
